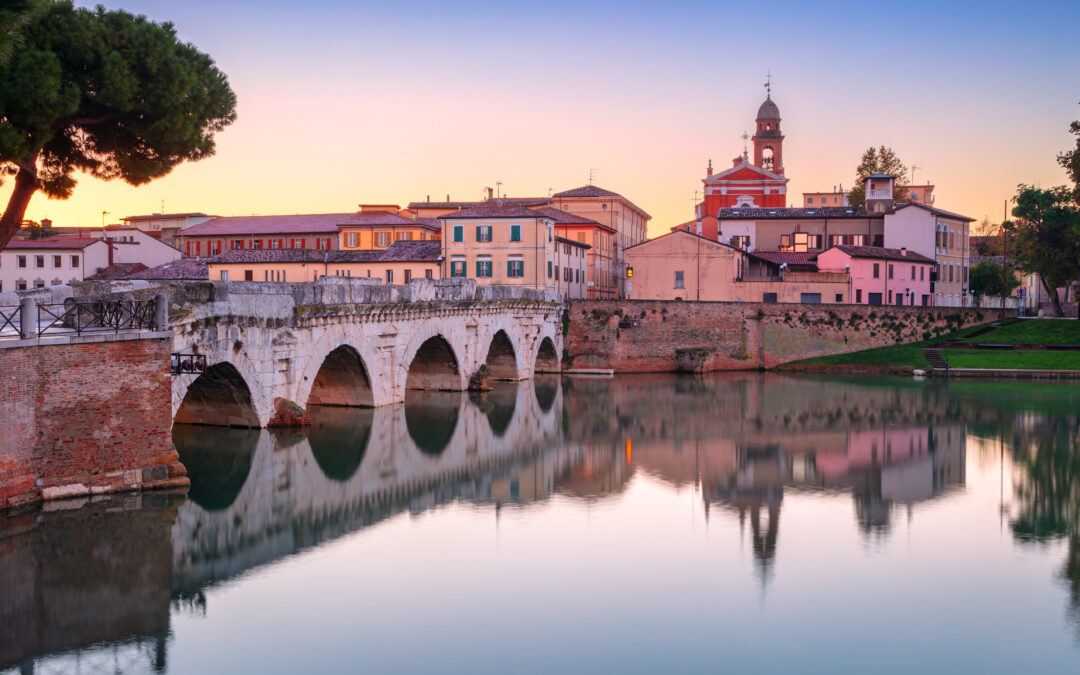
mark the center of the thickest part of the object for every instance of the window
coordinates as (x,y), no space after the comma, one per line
(549,269)
(249,275)
(404,236)
(922,274)
(679,283)
(20,285)
(57,260)
(382,239)
(890,270)
(873,299)
(858,296)
(255,244)
(483,233)
(20,261)
(224,275)
(965,274)
(39,261)
(741,241)
(39,283)
(549,233)
(785,242)
(389,276)
(877,271)
(810,298)
(515,233)
(74,261)
(266,275)
(302,243)
(483,268)
(912,271)
(427,273)
(459,233)
(515,268)
(408,276)
(275,243)
(839,298)
(351,240)
(557,272)
(769,297)
(215,247)
(457,267)
(809,201)
(238,243)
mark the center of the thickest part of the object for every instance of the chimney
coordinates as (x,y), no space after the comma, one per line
(109,243)
(429,199)
(903,250)
(709,171)
(491,194)
(46,224)
(448,197)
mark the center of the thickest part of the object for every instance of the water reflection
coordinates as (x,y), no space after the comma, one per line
(749,450)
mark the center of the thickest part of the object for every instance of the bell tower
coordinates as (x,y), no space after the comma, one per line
(768,141)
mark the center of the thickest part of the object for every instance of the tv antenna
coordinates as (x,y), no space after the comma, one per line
(913,167)
(591,171)
(768,84)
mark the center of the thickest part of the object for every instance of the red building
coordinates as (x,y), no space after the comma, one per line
(758,184)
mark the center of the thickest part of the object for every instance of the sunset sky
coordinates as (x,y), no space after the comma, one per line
(342,103)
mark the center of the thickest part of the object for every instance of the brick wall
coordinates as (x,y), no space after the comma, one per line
(85,418)
(648,335)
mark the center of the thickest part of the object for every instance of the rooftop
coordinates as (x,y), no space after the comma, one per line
(384,219)
(564,218)
(934,210)
(572,242)
(399,251)
(515,201)
(164,216)
(184,268)
(788,213)
(316,223)
(877,252)
(789,257)
(495,211)
(118,271)
(51,243)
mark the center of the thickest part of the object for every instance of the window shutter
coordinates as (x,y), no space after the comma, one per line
(509,268)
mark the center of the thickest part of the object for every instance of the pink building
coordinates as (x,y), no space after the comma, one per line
(882,276)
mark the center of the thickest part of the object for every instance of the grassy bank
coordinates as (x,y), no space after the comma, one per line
(1026,359)
(896,357)
(1034,332)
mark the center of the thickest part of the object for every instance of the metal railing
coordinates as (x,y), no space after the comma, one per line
(80,316)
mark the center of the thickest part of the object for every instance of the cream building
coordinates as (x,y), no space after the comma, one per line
(398,264)
(500,245)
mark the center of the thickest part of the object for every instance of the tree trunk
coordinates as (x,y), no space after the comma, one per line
(26,184)
(1052,292)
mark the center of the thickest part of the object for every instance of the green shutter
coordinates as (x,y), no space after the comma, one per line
(509,268)
(459,233)
(478,232)
(515,233)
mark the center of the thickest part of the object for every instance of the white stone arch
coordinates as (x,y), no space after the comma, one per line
(514,334)
(550,331)
(352,336)
(262,398)
(451,330)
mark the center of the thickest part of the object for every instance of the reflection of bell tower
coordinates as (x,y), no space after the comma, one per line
(768,141)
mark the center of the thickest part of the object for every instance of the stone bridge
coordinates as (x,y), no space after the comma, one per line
(273,349)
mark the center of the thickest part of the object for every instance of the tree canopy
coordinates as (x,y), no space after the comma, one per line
(985,279)
(106,93)
(1047,236)
(877,160)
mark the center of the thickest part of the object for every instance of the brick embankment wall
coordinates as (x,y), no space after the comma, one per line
(655,336)
(86,418)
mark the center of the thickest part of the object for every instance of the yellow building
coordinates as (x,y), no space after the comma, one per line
(374,229)
(500,245)
(571,268)
(400,263)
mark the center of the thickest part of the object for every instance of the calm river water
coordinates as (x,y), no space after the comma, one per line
(734,523)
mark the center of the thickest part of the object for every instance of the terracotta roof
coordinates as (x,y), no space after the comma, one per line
(164,216)
(184,268)
(877,252)
(383,218)
(495,211)
(268,255)
(317,223)
(118,271)
(433,223)
(412,251)
(51,243)
(511,201)
(791,213)
(587,191)
(573,242)
(936,211)
(565,218)
(789,257)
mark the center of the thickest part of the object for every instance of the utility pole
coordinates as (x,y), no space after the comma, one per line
(1005,255)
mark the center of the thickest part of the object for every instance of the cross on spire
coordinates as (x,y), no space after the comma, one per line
(745,137)
(768,84)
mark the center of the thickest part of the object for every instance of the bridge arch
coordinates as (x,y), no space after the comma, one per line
(342,380)
(502,357)
(547,358)
(220,396)
(431,361)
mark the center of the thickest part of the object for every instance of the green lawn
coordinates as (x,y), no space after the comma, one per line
(1017,359)
(1034,331)
(909,355)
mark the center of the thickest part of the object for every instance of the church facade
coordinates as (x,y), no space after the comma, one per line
(757,184)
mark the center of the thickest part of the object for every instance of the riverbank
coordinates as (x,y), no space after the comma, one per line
(1026,348)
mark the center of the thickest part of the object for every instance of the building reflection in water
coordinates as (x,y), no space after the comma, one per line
(747,444)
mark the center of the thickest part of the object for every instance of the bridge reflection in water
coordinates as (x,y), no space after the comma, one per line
(106,573)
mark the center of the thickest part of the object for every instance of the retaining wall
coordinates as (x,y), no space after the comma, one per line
(654,335)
